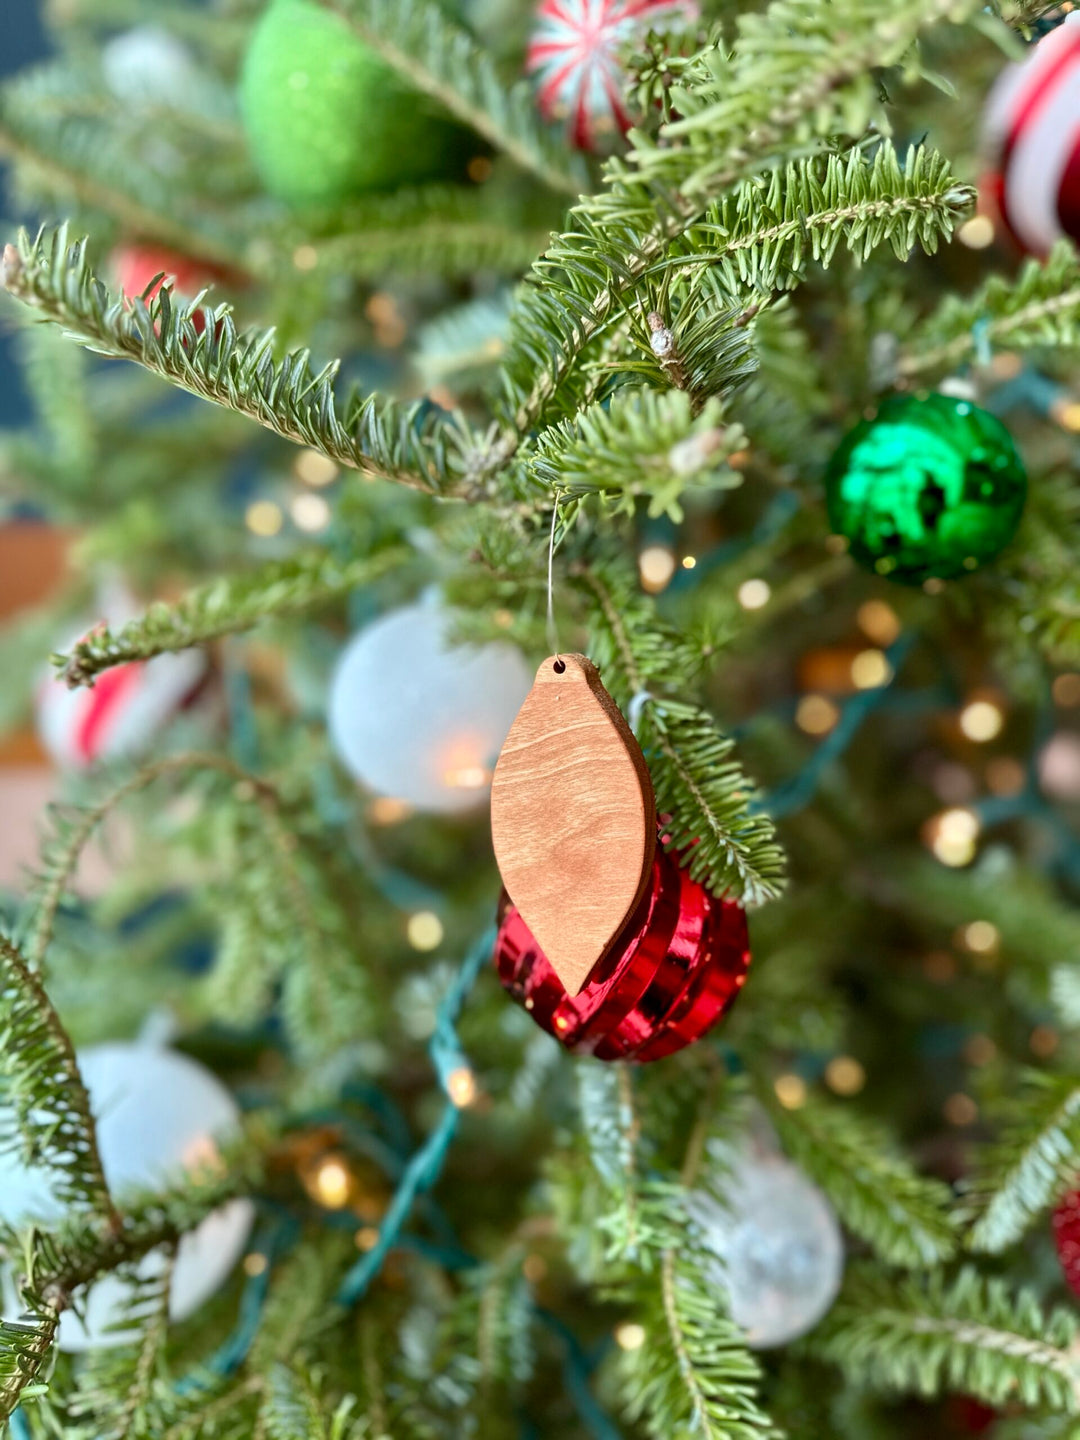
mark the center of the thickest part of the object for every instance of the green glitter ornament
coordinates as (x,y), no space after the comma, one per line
(931,487)
(327,119)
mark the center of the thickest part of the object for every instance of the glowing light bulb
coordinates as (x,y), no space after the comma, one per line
(425,930)
(461,1086)
(332,1183)
(630,1336)
(981,720)
(870,669)
(753,594)
(790,1091)
(656,565)
(816,714)
(263,518)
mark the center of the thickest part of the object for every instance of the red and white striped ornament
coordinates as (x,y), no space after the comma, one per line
(574,53)
(1032,127)
(124,709)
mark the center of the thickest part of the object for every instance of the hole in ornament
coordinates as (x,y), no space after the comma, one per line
(559,666)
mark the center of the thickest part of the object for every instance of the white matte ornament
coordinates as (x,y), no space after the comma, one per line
(158,1114)
(148,65)
(778,1244)
(415,718)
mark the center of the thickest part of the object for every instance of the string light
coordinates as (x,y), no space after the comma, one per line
(982,720)
(790,1091)
(753,594)
(314,468)
(1006,365)
(1005,776)
(1066,690)
(816,714)
(305,257)
(939,966)
(878,621)
(425,930)
(844,1075)
(870,669)
(980,1050)
(689,561)
(263,518)
(387,810)
(952,836)
(310,513)
(534,1268)
(464,769)
(980,937)
(1044,1040)
(656,566)
(1066,412)
(366,1238)
(976,233)
(255,1263)
(331,1184)
(461,1086)
(960,1110)
(630,1336)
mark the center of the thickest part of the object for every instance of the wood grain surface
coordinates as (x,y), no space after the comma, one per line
(573,817)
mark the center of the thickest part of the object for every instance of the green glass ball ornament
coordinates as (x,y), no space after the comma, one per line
(931,487)
(326,119)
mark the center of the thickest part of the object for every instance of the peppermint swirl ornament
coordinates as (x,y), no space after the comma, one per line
(1032,127)
(574,54)
(931,486)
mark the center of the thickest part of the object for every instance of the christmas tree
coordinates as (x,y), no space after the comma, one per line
(384,354)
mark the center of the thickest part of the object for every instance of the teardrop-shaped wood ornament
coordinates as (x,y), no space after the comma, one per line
(573,818)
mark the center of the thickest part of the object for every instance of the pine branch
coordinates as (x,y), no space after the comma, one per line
(877,1194)
(25,1346)
(47,1115)
(1023,1173)
(641,443)
(707,794)
(925,1336)
(798,70)
(440,59)
(441,230)
(293,1409)
(764,235)
(1040,307)
(694,1375)
(224,607)
(411,444)
(78,163)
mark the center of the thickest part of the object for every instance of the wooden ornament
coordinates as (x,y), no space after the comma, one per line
(573,817)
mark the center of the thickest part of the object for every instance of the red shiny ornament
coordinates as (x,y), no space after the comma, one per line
(682,959)
(1066,1223)
(136,266)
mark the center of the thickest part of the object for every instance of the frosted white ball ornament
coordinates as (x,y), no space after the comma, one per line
(780,1253)
(159,1114)
(417,718)
(148,65)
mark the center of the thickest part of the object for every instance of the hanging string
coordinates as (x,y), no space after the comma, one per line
(552,629)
